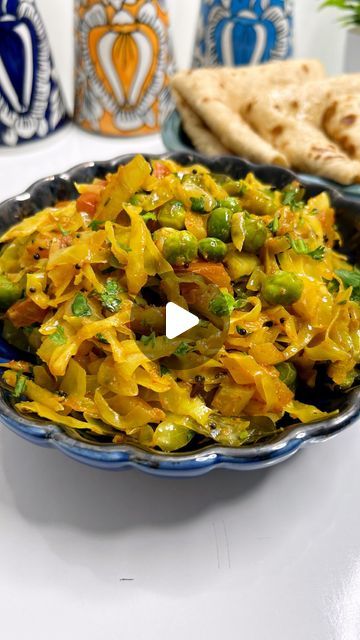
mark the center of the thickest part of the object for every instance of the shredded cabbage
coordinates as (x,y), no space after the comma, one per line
(85,269)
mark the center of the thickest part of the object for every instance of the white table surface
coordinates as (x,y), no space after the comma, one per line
(88,554)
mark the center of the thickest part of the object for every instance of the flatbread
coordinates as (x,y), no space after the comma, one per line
(202,138)
(340,112)
(207,95)
(285,113)
(341,121)
(215,97)
(299,121)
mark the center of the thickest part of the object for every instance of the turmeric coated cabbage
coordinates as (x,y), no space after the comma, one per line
(84,286)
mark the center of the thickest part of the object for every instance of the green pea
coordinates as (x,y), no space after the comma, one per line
(160,235)
(255,234)
(212,249)
(9,292)
(219,224)
(198,204)
(230,203)
(234,187)
(172,214)
(171,437)
(288,374)
(203,203)
(180,248)
(282,288)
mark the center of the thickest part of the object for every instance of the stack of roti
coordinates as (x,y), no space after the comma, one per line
(286,113)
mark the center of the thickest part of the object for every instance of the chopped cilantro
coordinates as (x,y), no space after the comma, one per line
(136,199)
(63,231)
(80,306)
(59,336)
(220,305)
(351,279)
(274,224)
(149,340)
(301,247)
(95,225)
(183,349)
(150,215)
(241,301)
(198,204)
(20,385)
(164,370)
(292,197)
(100,338)
(224,304)
(109,298)
(318,253)
(332,285)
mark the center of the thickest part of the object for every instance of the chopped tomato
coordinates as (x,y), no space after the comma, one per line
(88,202)
(160,170)
(213,271)
(25,313)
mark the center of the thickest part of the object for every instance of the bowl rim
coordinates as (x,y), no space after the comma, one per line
(171,137)
(120,456)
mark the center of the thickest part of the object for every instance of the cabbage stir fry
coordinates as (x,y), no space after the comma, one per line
(73,275)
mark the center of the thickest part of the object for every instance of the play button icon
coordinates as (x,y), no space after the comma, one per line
(178,320)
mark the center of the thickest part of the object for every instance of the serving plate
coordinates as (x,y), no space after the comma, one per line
(176,140)
(188,463)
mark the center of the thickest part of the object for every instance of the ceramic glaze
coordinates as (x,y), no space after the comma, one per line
(30,102)
(238,32)
(123,65)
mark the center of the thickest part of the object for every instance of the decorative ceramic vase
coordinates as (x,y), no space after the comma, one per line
(239,32)
(352,51)
(123,64)
(30,101)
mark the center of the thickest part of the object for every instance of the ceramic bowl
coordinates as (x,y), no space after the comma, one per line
(189,463)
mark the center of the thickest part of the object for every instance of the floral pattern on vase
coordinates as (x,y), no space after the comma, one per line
(31,105)
(124,61)
(239,32)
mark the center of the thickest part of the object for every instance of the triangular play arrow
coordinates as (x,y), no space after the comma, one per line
(178,320)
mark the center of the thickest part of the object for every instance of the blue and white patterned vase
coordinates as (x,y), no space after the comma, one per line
(239,32)
(31,105)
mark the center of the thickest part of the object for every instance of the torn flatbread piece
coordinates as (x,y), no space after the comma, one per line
(211,101)
(300,122)
(202,138)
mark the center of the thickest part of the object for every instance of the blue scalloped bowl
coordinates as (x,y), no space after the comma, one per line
(189,463)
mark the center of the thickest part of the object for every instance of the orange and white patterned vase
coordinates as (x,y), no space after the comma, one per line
(123,63)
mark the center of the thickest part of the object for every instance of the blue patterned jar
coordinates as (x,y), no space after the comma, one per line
(239,32)
(31,105)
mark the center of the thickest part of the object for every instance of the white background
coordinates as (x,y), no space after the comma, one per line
(255,556)
(317,33)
